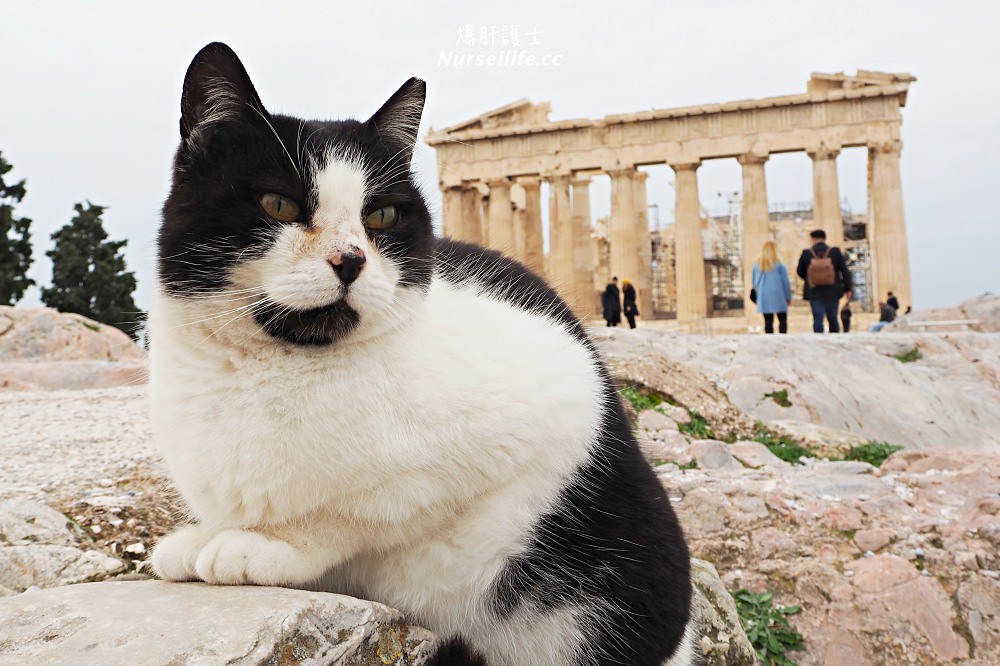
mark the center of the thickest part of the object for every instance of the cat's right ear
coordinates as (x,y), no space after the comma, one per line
(216,88)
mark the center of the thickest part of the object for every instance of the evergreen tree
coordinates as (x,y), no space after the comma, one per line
(15,241)
(88,273)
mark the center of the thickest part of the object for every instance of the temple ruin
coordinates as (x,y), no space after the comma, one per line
(491,169)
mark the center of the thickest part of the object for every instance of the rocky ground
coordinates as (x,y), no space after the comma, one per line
(891,565)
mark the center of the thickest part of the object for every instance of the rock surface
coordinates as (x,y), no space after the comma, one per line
(891,566)
(41,547)
(949,396)
(154,623)
(41,348)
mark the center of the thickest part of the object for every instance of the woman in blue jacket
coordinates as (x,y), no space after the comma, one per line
(774,291)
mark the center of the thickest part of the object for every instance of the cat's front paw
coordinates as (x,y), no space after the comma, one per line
(241,557)
(175,554)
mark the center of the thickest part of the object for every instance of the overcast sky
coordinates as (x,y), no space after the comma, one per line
(90,92)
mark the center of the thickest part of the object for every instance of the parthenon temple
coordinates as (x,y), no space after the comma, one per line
(491,171)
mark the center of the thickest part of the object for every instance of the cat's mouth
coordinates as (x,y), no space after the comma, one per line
(316,326)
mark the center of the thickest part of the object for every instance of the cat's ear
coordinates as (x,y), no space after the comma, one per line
(398,120)
(216,88)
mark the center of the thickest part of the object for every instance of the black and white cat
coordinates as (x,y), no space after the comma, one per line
(348,403)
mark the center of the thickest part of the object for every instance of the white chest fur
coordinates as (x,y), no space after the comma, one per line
(471,396)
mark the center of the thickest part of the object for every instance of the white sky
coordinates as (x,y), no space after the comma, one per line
(90,91)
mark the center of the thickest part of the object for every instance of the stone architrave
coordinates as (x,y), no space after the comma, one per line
(826,195)
(756,222)
(692,299)
(501,216)
(889,248)
(624,242)
(585,301)
(471,227)
(561,271)
(534,250)
(643,279)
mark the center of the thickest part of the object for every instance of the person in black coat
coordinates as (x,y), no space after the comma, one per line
(611,303)
(628,300)
(825,300)
(892,301)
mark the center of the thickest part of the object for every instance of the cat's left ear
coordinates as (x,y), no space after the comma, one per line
(398,120)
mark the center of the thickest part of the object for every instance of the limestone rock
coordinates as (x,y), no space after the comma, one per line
(722,639)
(154,623)
(950,395)
(650,419)
(755,454)
(712,454)
(40,547)
(41,348)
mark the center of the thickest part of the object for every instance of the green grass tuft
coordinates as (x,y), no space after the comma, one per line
(872,452)
(780,397)
(642,399)
(786,449)
(909,356)
(697,428)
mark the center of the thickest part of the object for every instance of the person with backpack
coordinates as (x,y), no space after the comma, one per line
(827,280)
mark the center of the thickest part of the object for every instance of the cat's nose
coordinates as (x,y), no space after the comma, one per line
(348,264)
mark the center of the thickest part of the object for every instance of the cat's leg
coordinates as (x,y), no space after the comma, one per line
(175,554)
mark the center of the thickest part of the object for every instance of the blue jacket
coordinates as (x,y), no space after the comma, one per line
(773,289)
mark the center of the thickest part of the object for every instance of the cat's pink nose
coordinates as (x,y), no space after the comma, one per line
(348,264)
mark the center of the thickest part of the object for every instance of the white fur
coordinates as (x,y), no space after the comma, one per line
(406,461)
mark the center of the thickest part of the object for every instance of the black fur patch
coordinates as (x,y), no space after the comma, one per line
(455,652)
(614,537)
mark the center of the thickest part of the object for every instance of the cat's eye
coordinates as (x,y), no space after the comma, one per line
(280,207)
(383,218)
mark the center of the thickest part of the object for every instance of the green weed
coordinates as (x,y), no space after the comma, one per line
(784,448)
(767,627)
(780,397)
(872,452)
(909,356)
(697,428)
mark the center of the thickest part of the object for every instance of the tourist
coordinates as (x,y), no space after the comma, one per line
(827,280)
(845,317)
(773,290)
(611,303)
(886,314)
(893,302)
(628,300)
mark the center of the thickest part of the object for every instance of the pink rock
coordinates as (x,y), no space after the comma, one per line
(844,648)
(881,572)
(874,539)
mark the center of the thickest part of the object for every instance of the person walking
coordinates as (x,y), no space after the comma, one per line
(628,300)
(611,303)
(772,287)
(827,280)
(892,301)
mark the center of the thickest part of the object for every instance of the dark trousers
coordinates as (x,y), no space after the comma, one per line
(826,309)
(782,322)
(631,319)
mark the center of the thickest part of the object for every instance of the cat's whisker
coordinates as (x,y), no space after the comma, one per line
(264,117)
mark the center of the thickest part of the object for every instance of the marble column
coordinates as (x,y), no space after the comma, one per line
(471,228)
(624,262)
(643,279)
(890,254)
(826,195)
(500,216)
(692,299)
(561,266)
(451,211)
(584,299)
(756,223)
(534,250)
